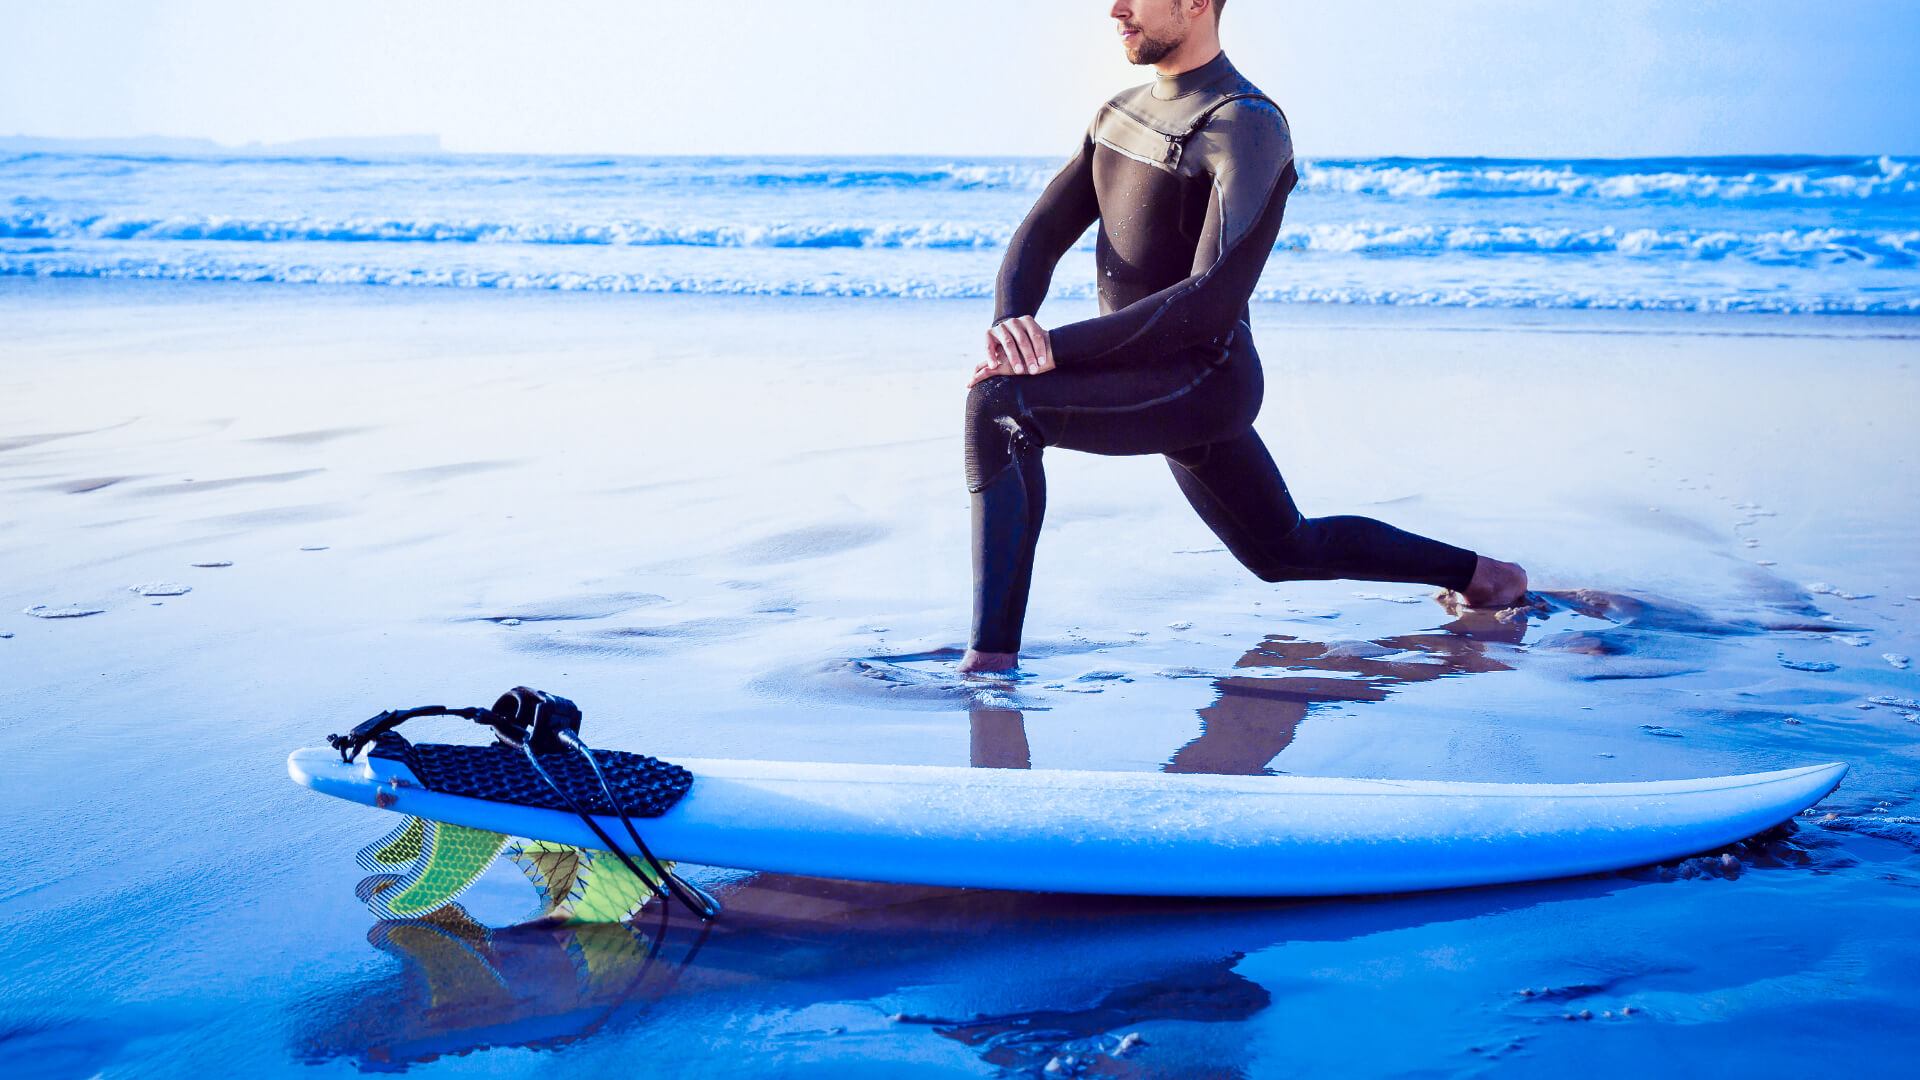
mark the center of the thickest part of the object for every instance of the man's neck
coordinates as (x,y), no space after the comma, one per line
(1200,48)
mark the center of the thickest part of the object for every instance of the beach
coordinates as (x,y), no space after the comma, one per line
(243,515)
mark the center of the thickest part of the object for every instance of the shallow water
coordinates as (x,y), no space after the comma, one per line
(676,513)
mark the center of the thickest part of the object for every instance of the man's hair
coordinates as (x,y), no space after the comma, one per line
(1218,6)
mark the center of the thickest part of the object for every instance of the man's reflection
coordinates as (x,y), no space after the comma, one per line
(1253,719)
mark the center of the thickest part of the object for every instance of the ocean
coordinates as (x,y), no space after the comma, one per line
(1788,235)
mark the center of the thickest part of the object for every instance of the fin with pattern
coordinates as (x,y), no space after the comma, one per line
(581,885)
(431,863)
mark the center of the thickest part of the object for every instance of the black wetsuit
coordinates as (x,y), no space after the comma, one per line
(1188,177)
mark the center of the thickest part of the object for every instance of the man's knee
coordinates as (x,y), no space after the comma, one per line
(992,399)
(993,430)
(1295,555)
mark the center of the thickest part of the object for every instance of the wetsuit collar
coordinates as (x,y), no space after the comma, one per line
(1166,87)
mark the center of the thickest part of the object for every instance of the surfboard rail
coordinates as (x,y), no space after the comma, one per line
(1144,833)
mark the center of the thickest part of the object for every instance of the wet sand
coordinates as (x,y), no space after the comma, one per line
(735,527)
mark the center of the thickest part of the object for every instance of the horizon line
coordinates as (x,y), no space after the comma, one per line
(431,145)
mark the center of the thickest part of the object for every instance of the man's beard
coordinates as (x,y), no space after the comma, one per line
(1151,50)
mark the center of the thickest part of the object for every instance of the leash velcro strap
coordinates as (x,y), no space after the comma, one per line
(372,728)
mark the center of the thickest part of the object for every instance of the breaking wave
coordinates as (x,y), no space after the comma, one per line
(1814,246)
(1693,180)
(46,226)
(910,286)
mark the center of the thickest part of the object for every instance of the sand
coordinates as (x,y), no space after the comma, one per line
(736,527)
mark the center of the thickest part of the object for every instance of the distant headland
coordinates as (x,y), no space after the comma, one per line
(380,145)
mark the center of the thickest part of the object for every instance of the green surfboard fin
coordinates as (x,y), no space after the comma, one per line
(430,863)
(580,885)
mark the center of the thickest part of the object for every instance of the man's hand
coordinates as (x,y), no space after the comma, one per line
(1017,346)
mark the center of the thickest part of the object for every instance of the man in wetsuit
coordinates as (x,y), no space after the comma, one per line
(1187,177)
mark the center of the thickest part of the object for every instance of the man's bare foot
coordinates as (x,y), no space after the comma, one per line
(976,662)
(1495,584)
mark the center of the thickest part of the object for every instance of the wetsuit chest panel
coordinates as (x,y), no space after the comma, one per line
(1124,133)
(1150,225)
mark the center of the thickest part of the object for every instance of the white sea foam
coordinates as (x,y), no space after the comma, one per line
(1624,297)
(1810,246)
(1806,246)
(1718,180)
(52,226)
(1783,235)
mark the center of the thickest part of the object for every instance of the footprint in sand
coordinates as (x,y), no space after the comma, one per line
(72,611)
(583,608)
(809,543)
(1092,682)
(1356,650)
(1622,653)
(894,683)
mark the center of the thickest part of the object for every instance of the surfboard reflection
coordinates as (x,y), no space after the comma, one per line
(1017,978)
(463,986)
(1252,719)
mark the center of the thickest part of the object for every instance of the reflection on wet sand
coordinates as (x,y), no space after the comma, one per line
(1090,970)
(998,739)
(1208,993)
(463,986)
(1254,718)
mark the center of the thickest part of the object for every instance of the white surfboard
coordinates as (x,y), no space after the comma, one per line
(1138,833)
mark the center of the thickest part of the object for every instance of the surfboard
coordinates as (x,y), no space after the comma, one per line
(1134,833)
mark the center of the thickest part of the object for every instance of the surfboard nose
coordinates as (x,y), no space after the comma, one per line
(1822,779)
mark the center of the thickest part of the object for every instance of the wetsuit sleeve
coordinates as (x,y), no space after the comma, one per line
(1251,182)
(1063,212)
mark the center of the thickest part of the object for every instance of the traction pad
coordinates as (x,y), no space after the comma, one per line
(646,786)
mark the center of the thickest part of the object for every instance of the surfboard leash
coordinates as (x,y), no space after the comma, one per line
(556,721)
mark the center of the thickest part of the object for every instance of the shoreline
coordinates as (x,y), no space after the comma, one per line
(1326,315)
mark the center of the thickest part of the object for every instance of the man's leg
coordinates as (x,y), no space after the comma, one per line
(1009,489)
(1238,491)
(1129,411)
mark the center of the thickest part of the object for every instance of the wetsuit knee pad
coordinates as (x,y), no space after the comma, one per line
(996,429)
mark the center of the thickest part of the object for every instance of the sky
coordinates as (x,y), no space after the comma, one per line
(1504,78)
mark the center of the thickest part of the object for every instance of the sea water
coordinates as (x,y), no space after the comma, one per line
(1771,234)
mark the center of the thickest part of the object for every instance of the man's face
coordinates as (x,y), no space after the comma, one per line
(1150,29)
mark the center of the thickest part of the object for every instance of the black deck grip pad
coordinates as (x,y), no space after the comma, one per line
(646,786)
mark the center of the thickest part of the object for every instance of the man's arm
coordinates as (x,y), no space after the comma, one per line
(1063,212)
(1250,188)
